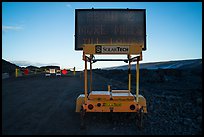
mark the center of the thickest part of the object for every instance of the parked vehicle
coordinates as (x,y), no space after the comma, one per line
(58,72)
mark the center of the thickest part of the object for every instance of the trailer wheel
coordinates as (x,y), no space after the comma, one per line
(140,115)
(82,113)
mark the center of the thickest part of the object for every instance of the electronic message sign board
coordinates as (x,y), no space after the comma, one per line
(110,26)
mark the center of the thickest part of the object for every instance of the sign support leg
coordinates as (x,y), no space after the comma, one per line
(137,78)
(85,78)
(90,73)
(129,73)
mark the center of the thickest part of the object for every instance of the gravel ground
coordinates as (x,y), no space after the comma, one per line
(46,105)
(174,100)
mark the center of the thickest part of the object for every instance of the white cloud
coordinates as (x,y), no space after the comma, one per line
(21,63)
(15,28)
(68,5)
(37,64)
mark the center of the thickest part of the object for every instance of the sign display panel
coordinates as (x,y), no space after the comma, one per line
(110,26)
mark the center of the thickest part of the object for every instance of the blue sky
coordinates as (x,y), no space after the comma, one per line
(42,33)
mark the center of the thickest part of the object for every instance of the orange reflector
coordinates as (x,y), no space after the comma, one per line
(90,106)
(132,107)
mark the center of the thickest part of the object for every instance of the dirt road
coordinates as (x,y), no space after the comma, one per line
(42,105)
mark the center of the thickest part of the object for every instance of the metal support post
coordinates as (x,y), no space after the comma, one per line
(129,73)
(85,78)
(16,72)
(74,71)
(91,56)
(137,79)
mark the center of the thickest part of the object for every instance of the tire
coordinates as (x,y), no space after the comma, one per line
(82,114)
(140,115)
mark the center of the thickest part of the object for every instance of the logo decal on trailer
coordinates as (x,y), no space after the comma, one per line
(112,49)
(98,49)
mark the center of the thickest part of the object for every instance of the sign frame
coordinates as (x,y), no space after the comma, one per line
(81,10)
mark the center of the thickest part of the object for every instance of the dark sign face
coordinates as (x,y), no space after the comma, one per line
(110,26)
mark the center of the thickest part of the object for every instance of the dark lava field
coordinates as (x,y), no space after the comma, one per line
(39,105)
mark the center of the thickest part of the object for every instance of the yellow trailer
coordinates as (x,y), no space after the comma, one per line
(109,32)
(111,100)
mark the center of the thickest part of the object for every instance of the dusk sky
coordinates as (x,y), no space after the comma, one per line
(42,33)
